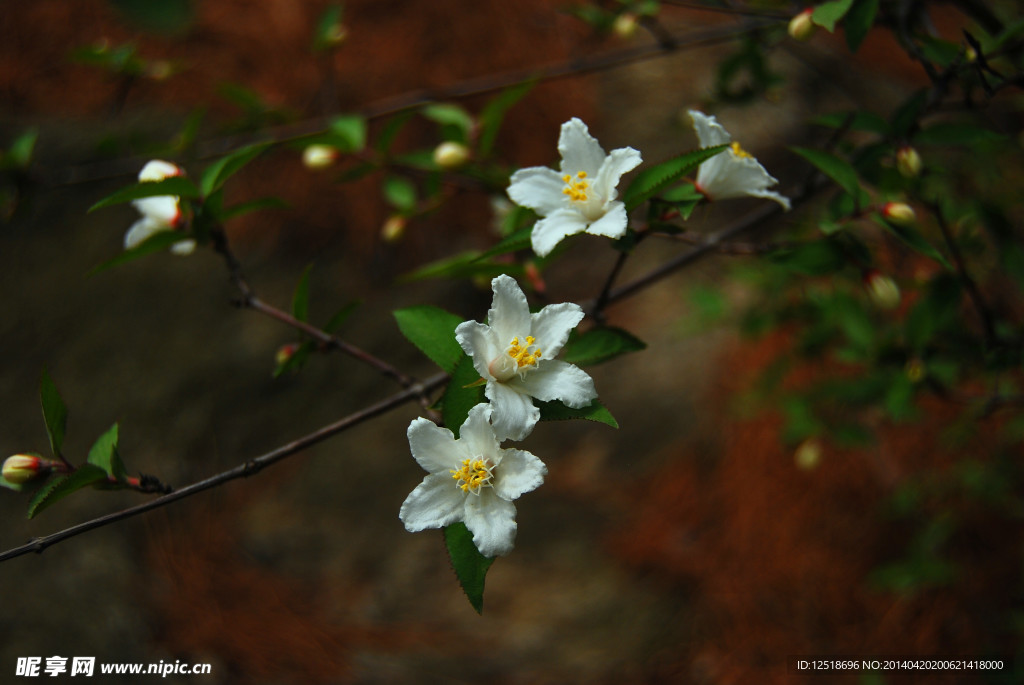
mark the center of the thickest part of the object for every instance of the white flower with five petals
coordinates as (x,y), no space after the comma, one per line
(581,197)
(159,213)
(732,172)
(514,353)
(470,479)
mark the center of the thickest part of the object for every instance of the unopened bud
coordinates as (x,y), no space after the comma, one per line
(808,454)
(158,170)
(883,290)
(285,352)
(335,35)
(899,213)
(393,229)
(971,55)
(914,370)
(21,468)
(801,27)
(625,25)
(319,156)
(450,155)
(908,162)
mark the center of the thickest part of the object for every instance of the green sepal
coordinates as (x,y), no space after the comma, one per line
(653,179)
(55,412)
(154,243)
(103,454)
(462,394)
(599,345)
(556,411)
(175,185)
(827,14)
(469,565)
(59,488)
(432,330)
(224,168)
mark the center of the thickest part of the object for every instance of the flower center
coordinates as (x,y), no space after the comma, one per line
(521,353)
(739,151)
(474,474)
(576,188)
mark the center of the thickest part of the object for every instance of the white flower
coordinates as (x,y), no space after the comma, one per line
(732,172)
(579,198)
(515,355)
(159,213)
(470,479)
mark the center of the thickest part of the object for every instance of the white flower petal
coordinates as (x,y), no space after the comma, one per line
(709,131)
(492,521)
(158,170)
(619,162)
(434,448)
(479,341)
(612,224)
(141,230)
(558,380)
(477,434)
(520,472)
(580,151)
(771,195)
(513,415)
(551,326)
(184,247)
(550,231)
(434,503)
(509,314)
(538,188)
(162,208)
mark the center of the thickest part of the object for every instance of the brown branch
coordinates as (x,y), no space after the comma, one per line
(244,470)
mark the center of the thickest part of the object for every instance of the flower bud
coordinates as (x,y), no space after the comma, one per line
(158,170)
(971,55)
(319,156)
(883,290)
(450,155)
(335,35)
(285,352)
(801,27)
(908,162)
(625,25)
(914,370)
(808,455)
(22,468)
(899,213)
(393,228)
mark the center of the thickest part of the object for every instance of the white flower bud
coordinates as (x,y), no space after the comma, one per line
(319,156)
(393,229)
(883,290)
(808,455)
(335,35)
(899,213)
(625,25)
(22,468)
(801,27)
(908,161)
(450,155)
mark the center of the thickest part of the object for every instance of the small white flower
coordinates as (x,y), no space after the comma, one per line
(579,198)
(515,354)
(732,172)
(469,479)
(159,213)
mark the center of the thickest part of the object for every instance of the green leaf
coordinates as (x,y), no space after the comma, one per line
(461,395)
(827,14)
(350,131)
(469,565)
(912,237)
(400,193)
(324,35)
(463,265)
(936,311)
(859,21)
(55,412)
(20,152)
(957,134)
(175,185)
(224,168)
(812,259)
(154,243)
(494,112)
(837,169)
(335,322)
(59,488)
(432,330)
(253,206)
(392,128)
(653,179)
(104,454)
(599,345)
(855,121)
(450,116)
(556,411)
(520,240)
(300,299)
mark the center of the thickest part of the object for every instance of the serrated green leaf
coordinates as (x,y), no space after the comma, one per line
(154,243)
(912,237)
(103,453)
(253,206)
(600,344)
(400,193)
(837,169)
(175,185)
(653,179)
(469,565)
(215,175)
(827,14)
(55,412)
(432,330)
(859,21)
(556,411)
(300,298)
(461,395)
(59,488)
(350,131)
(494,111)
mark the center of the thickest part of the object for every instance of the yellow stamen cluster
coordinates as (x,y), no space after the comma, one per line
(739,151)
(474,474)
(576,189)
(522,354)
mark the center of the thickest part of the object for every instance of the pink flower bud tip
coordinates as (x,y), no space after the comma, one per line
(801,27)
(22,468)
(899,213)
